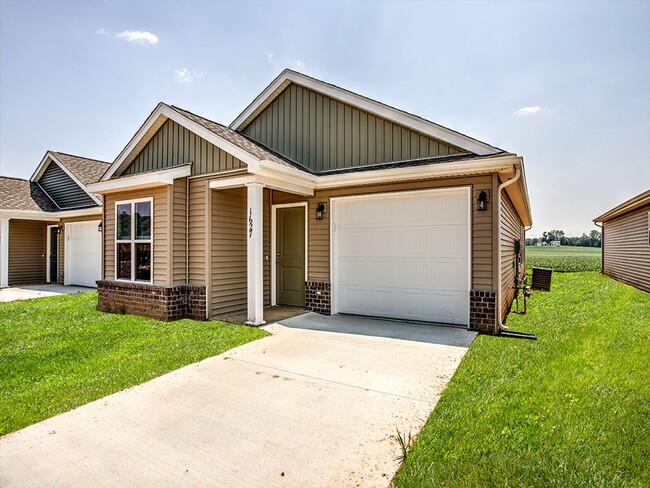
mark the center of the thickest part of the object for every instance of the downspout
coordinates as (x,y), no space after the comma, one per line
(501,187)
(187,231)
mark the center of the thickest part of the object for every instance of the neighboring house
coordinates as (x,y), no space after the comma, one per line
(555,243)
(626,241)
(49,223)
(313,197)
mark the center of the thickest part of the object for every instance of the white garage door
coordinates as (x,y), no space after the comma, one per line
(82,265)
(404,255)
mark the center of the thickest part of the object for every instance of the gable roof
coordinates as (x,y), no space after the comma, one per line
(236,144)
(82,171)
(19,194)
(633,203)
(87,170)
(401,117)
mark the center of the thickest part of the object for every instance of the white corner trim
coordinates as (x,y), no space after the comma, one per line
(4,252)
(166,112)
(274,219)
(42,166)
(416,123)
(143,180)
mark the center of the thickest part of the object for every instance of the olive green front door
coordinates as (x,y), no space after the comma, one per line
(290,256)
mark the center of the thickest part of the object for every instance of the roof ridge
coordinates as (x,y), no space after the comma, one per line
(13,178)
(80,157)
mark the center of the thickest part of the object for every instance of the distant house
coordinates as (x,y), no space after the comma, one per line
(626,241)
(555,243)
(49,224)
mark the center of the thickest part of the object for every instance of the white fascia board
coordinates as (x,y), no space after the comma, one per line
(415,172)
(144,180)
(267,181)
(163,110)
(50,216)
(416,123)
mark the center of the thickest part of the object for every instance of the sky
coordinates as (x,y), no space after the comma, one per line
(564,84)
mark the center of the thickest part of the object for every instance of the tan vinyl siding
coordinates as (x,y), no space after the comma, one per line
(319,230)
(323,134)
(27,252)
(174,145)
(160,258)
(229,252)
(626,250)
(511,229)
(179,224)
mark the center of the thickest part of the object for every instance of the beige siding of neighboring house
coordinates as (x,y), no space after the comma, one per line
(319,230)
(511,229)
(161,258)
(322,133)
(27,252)
(626,250)
(174,145)
(229,250)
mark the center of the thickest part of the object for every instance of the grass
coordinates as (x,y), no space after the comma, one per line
(59,353)
(570,409)
(564,258)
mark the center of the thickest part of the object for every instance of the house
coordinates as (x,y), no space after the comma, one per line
(626,241)
(314,197)
(49,223)
(555,243)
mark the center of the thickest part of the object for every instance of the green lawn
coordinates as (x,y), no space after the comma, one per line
(570,409)
(58,353)
(564,258)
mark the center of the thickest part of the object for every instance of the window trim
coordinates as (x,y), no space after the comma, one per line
(133,241)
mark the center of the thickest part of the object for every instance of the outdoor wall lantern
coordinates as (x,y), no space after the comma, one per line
(59,228)
(481,202)
(99,227)
(319,211)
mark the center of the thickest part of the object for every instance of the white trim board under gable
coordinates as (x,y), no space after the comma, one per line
(43,165)
(403,118)
(158,117)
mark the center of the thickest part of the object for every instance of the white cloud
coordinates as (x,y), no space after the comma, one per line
(142,38)
(531,110)
(269,56)
(184,76)
(298,64)
(292,63)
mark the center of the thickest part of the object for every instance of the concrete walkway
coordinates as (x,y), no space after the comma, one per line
(28,292)
(317,404)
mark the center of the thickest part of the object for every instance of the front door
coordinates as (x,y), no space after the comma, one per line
(290,256)
(54,254)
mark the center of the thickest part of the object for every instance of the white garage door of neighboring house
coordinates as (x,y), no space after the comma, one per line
(83,247)
(403,255)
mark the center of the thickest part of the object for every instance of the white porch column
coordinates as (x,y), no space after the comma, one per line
(4,253)
(254,234)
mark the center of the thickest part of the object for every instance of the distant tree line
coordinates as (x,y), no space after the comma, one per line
(591,240)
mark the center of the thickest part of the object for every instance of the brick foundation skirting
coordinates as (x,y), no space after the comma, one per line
(483,311)
(159,302)
(318,297)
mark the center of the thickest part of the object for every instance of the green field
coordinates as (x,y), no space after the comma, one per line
(563,258)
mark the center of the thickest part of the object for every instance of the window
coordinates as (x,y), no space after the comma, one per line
(133,228)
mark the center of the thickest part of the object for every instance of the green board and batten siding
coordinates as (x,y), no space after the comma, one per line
(324,134)
(174,145)
(62,189)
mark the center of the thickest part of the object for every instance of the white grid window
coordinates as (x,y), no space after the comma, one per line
(134,240)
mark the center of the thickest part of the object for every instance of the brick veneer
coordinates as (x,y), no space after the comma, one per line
(156,301)
(318,297)
(483,311)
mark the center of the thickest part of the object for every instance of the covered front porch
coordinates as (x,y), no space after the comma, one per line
(258,262)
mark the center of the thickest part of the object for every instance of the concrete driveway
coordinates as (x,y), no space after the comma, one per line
(27,292)
(317,404)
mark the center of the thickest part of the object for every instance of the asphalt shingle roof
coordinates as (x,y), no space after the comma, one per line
(19,194)
(85,169)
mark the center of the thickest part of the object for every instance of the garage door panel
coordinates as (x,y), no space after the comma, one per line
(403,256)
(82,254)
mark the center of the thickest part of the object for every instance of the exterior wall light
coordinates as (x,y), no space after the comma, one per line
(319,211)
(481,202)
(59,228)
(99,227)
